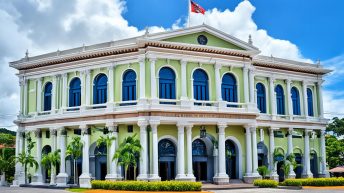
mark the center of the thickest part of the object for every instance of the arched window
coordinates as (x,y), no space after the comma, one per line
(75,93)
(295,97)
(280,100)
(229,88)
(100,89)
(310,102)
(199,148)
(200,85)
(129,86)
(261,97)
(47,96)
(167,86)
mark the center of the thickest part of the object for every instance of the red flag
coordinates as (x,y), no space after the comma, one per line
(197,8)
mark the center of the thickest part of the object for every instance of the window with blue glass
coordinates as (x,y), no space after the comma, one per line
(167,83)
(310,102)
(75,93)
(129,86)
(200,85)
(100,89)
(199,148)
(47,96)
(280,100)
(261,97)
(229,88)
(295,97)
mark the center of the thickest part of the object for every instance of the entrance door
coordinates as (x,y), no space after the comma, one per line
(231,163)
(280,171)
(167,159)
(100,162)
(298,169)
(314,164)
(200,170)
(166,170)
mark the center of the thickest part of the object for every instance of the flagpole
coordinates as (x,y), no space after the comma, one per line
(189,12)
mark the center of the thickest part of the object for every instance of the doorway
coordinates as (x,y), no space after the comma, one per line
(231,159)
(100,162)
(167,159)
(199,160)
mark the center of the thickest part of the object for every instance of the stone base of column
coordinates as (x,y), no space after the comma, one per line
(37,179)
(183,177)
(19,179)
(274,176)
(142,177)
(326,175)
(250,179)
(221,179)
(85,180)
(309,175)
(291,175)
(185,103)
(154,101)
(109,106)
(62,179)
(113,177)
(154,178)
(222,104)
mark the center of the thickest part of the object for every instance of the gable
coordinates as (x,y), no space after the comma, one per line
(212,40)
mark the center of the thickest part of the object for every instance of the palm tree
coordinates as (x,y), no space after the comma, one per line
(50,161)
(74,150)
(26,160)
(107,141)
(127,152)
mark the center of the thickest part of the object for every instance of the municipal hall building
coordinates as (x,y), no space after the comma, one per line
(205,106)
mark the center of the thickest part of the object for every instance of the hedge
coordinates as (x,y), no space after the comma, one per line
(265,183)
(146,186)
(315,182)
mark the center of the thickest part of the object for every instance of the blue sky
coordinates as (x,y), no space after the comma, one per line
(305,30)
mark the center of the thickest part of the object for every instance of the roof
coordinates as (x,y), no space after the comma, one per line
(339,169)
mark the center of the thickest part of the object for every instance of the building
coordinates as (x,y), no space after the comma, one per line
(205,106)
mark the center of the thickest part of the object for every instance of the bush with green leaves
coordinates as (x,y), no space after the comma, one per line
(265,183)
(263,171)
(315,182)
(162,186)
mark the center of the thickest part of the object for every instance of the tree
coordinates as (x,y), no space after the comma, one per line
(6,163)
(50,161)
(289,161)
(107,141)
(7,140)
(334,151)
(263,171)
(27,160)
(336,126)
(74,150)
(127,152)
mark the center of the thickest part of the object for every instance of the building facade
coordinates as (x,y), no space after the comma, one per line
(205,106)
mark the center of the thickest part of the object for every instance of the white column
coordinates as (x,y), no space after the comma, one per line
(53,149)
(271,153)
(62,177)
(53,94)
(85,177)
(252,87)
(112,164)
(323,171)
(320,98)
(222,177)
(153,80)
(218,82)
(25,105)
(289,101)
(305,102)
(19,174)
(144,157)
(111,85)
(272,97)
(142,78)
(307,162)
(254,152)
(248,151)
(39,95)
(184,95)
(190,174)
(246,86)
(88,85)
(38,177)
(180,153)
(155,174)
(64,91)
(290,151)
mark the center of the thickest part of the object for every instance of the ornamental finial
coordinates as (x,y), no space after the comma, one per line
(27,53)
(147,31)
(250,39)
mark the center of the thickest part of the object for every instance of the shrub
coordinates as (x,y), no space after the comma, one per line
(265,183)
(146,186)
(315,182)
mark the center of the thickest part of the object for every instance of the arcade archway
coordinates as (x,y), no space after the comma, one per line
(167,159)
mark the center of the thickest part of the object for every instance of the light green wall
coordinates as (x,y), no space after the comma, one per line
(212,40)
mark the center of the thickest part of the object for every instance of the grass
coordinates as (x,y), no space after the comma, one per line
(77,189)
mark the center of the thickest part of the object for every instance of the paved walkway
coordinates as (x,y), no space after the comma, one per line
(268,190)
(30,190)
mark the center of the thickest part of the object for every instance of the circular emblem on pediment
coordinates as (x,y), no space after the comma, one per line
(202,39)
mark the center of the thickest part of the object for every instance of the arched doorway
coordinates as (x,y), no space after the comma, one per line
(231,159)
(314,164)
(46,175)
(262,151)
(100,160)
(199,159)
(167,159)
(280,162)
(298,169)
